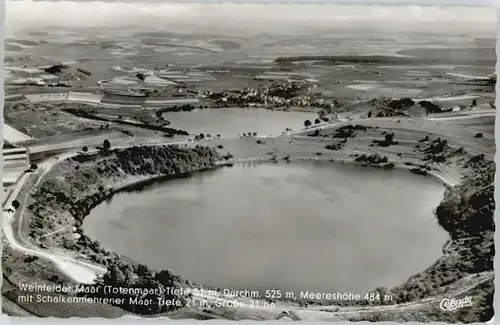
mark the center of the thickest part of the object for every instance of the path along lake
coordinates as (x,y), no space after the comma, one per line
(317,226)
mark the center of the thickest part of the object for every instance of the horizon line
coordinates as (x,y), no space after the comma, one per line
(392,3)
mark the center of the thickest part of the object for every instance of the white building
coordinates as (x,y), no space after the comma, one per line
(47,97)
(16,161)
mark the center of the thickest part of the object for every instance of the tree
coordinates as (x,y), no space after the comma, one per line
(85,149)
(317,121)
(16,204)
(389,138)
(165,277)
(143,271)
(106,145)
(307,123)
(114,275)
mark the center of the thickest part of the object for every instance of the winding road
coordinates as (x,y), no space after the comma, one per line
(78,271)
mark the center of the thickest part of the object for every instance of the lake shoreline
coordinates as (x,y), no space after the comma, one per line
(98,223)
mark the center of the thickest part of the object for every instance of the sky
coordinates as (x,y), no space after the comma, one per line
(376,2)
(240,18)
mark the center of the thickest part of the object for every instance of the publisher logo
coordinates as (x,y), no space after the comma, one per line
(454,304)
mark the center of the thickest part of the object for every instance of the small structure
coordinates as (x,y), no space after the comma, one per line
(16,162)
(47,97)
(16,157)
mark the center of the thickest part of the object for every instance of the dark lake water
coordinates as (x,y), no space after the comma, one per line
(301,226)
